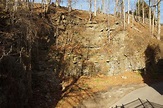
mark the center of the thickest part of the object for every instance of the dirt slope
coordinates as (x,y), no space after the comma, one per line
(65,58)
(99,55)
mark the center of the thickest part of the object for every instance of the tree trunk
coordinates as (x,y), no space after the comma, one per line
(15,5)
(124,17)
(158,20)
(153,18)
(128,11)
(57,3)
(149,17)
(108,11)
(103,6)
(138,10)
(121,9)
(95,4)
(143,9)
(90,10)
(69,5)
(116,8)
(153,21)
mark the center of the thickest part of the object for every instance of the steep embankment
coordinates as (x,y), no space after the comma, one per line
(88,50)
(43,55)
(26,75)
(96,47)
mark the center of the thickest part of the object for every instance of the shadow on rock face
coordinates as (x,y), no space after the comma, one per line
(160,66)
(153,72)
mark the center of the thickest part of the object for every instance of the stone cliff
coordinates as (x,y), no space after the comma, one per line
(93,47)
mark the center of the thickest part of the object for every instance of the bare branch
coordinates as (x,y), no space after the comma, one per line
(6,54)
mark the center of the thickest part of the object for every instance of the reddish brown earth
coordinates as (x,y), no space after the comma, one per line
(87,87)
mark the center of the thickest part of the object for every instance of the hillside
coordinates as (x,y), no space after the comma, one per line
(57,59)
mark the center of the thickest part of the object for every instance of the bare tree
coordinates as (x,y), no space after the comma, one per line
(143,9)
(95,7)
(103,6)
(158,19)
(120,4)
(108,22)
(57,2)
(69,5)
(128,11)
(121,8)
(124,16)
(90,9)
(116,7)
(153,16)
(138,5)
(150,16)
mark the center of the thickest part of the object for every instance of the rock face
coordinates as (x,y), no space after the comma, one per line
(127,54)
(122,53)
(91,47)
(119,54)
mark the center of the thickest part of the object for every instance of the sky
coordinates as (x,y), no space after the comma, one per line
(84,5)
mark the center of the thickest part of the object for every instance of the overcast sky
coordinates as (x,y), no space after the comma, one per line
(83,4)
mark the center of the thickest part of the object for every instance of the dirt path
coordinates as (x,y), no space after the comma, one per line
(100,89)
(103,91)
(153,93)
(106,99)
